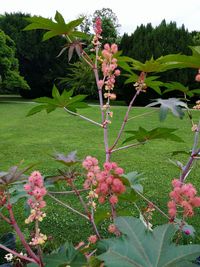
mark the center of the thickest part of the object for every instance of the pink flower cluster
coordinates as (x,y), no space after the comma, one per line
(35,188)
(109,69)
(107,183)
(98,31)
(183,196)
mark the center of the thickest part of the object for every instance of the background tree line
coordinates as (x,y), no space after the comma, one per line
(38,63)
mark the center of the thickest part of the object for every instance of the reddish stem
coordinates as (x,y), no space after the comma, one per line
(125,120)
(21,236)
(17,254)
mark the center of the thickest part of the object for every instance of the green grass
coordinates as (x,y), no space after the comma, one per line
(35,138)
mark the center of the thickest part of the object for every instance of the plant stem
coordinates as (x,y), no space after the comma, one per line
(128,146)
(67,206)
(156,207)
(141,115)
(82,117)
(21,236)
(67,192)
(193,155)
(105,128)
(93,223)
(5,218)
(18,254)
(125,120)
(187,167)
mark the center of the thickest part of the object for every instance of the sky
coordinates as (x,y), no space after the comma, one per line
(130,13)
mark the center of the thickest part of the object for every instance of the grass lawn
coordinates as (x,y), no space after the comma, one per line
(35,138)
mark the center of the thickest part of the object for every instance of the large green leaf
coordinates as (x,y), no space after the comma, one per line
(133,180)
(138,247)
(143,135)
(67,255)
(176,86)
(59,101)
(173,104)
(57,27)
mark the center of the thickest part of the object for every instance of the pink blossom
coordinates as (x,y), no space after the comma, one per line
(92,239)
(100,83)
(113,199)
(117,72)
(119,171)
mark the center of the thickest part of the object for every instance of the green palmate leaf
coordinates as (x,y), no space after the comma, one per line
(59,27)
(59,18)
(132,78)
(133,180)
(138,247)
(173,104)
(67,255)
(36,110)
(176,86)
(59,101)
(195,91)
(101,214)
(143,135)
(128,196)
(17,192)
(155,85)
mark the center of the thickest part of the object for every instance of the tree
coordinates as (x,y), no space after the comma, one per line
(38,61)
(147,42)
(10,79)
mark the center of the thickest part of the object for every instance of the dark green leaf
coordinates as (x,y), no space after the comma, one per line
(36,109)
(59,18)
(142,135)
(137,247)
(101,214)
(134,178)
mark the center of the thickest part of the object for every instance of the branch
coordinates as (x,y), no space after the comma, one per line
(125,120)
(21,236)
(82,117)
(67,192)
(68,207)
(193,155)
(128,146)
(5,218)
(156,207)
(141,115)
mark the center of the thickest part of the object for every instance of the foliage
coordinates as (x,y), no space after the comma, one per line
(10,79)
(147,42)
(137,247)
(80,78)
(65,100)
(38,61)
